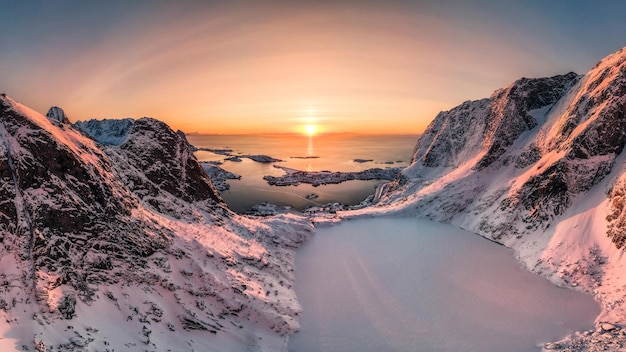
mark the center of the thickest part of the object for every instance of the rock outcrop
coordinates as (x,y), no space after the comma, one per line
(57,114)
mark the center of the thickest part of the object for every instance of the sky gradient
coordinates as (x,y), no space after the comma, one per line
(269,66)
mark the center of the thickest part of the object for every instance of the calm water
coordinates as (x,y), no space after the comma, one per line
(399,284)
(332,152)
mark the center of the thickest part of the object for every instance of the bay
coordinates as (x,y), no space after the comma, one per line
(332,152)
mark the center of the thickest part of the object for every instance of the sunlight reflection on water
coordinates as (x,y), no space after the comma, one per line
(332,152)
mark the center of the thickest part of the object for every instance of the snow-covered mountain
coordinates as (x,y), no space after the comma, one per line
(121,242)
(539,166)
(107,131)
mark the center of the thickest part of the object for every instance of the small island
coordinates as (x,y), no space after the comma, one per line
(224,151)
(234,158)
(228,153)
(295,177)
(262,158)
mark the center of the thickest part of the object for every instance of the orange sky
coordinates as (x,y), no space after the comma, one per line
(258,67)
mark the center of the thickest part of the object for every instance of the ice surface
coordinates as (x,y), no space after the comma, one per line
(403,284)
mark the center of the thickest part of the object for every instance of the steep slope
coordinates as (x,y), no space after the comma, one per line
(118,247)
(494,123)
(539,167)
(150,146)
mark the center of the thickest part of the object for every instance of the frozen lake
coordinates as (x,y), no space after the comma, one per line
(404,284)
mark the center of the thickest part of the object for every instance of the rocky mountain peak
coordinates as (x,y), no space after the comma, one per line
(152,146)
(106,131)
(55,113)
(163,158)
(615,59)
(592,113)
(59,195)
(555,138)
(486,128)
(510,108)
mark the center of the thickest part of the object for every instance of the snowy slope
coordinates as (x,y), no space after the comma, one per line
(539,166)
(129,247)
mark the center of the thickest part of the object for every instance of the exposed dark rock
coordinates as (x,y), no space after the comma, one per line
(167,161)
(67,306)
(509,111)
(447,135)
(57,114)
(490,125)
(107,131)
(528,157)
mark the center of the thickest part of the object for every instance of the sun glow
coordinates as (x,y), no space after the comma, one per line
(310,130)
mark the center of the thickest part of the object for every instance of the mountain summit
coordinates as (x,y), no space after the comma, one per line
(57,114)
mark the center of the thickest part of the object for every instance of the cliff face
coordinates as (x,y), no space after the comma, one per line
(135,234)
(488,126)
(538,166)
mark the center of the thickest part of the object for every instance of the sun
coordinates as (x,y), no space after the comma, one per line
(310,130)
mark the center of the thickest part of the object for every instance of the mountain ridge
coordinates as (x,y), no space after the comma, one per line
(579,135)
(127,243)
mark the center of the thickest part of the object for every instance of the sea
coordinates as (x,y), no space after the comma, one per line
(327,152)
